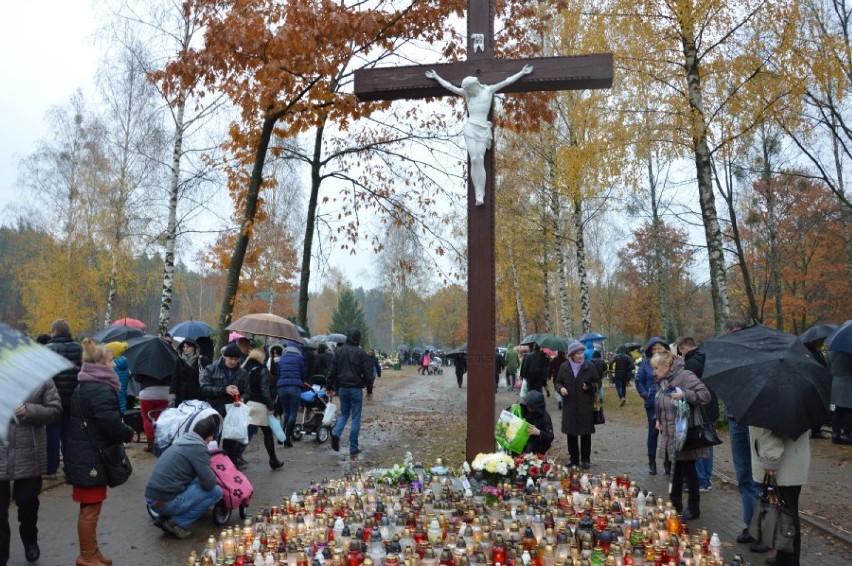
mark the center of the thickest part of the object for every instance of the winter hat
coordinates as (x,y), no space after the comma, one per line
(574,347)
(117,348)
(232,351)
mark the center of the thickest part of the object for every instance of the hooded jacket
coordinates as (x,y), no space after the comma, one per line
(186,459)
(24,453)
(513,362)
(646,385)
(534,411)
(351,366)
(292,370)
(623,365)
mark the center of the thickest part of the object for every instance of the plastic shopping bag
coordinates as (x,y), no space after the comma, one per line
(329,417)
(235,426)
(524,387)
(511,430)
(682,414)
(277,431)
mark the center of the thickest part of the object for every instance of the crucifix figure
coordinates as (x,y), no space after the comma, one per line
(410,82)
(477,129)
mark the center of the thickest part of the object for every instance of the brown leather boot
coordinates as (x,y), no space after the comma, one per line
(87,532)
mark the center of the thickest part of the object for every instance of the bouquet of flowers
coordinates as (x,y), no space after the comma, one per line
(533,465)
(494,466)
(399,473)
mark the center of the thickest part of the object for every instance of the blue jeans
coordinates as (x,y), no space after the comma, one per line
(704,467)
(289,396)
(187,507)
(57,441)
(652,432)
(351,399)
(741,455)
(619,388)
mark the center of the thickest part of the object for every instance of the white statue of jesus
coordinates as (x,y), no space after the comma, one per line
(477,129)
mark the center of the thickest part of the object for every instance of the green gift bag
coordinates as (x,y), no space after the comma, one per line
(511,430)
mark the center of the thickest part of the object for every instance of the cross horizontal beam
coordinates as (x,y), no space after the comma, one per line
(549,73)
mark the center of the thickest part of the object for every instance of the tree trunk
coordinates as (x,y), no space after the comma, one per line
(316,180)
(585,305)
(712,233)
(660,270)
(844,210)
(516,289)
(564,302)
(241,245)
(164,319)
(772,227)
(112,288)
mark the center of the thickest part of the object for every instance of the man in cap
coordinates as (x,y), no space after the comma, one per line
(221,382)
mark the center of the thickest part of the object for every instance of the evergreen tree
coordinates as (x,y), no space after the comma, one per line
(349,314)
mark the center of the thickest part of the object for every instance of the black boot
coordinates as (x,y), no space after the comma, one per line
(667,467)
(652,465)
(288,443)
(693,511)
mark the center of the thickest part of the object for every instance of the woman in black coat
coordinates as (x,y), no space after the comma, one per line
(578,383)
(96,426)
(186,376)
(262,397)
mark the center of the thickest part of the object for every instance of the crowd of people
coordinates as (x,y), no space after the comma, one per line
(77,421)
(77,417)
(664,375)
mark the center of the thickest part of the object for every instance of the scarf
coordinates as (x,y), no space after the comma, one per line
(99,373)
(189,358)
(575,366)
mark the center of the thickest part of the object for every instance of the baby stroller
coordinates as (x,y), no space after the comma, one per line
(313,406)
(436,367)
(236,488)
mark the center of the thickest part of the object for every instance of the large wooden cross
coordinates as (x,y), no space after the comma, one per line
(409,82)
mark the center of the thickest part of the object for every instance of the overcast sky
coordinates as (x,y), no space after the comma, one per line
(48,53)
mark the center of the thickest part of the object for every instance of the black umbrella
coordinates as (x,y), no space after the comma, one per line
(532,339)
(817,332)
(768,379)
(630,346)
(591,337)
(460,351)
(117,334)
(151,356)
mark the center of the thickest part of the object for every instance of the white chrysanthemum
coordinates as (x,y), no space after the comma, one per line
(466,468)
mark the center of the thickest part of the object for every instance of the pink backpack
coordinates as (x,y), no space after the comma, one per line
(236,488)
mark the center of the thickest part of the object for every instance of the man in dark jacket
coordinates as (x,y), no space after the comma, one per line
(534,411)
(460,363)
(534,368)
(221,382)
(350,372)
(182,485)
(623,367)
(65,381)
(694,358)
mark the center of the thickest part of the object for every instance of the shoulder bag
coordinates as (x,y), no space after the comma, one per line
(701,435)
(114,461)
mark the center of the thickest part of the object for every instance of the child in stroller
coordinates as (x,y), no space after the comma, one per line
(313,406)
(436,367)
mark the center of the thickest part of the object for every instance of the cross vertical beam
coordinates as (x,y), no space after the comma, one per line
(410,82)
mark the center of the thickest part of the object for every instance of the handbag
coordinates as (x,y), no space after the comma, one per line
(114,461)
(772,523)
(702,435)
(598,416)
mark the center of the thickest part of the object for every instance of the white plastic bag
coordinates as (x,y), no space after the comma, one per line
(235,426)
(329,417)
(524,388)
